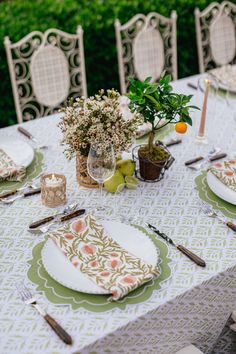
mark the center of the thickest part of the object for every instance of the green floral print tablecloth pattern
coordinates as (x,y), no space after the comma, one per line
(208,196)
(90,249)
(58,294)
(225,171)
(32,172)
(9,171)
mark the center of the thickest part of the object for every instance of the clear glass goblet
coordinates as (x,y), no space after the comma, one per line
(101,165)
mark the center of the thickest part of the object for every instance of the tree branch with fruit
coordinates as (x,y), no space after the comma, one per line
(157,102)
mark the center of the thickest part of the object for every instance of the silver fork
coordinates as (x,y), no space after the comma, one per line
(29,299)
(209,211)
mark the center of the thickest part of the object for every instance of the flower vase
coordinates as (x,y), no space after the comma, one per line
(82,175)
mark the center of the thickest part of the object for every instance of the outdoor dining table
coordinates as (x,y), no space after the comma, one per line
(191,305)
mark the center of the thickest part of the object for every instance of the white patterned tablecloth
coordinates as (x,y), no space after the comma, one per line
(191,307)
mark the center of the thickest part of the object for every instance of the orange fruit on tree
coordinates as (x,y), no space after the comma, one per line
(181,127)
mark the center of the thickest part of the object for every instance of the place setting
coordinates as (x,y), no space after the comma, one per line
(21,167)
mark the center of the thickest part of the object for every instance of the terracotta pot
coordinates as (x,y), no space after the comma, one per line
(82,175)
(151,170)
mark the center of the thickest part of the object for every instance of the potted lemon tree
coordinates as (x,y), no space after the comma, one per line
(157,102)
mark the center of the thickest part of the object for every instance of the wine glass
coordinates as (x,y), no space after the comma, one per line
(101,165)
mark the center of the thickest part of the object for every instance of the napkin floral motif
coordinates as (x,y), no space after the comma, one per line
(226,172)
(9,170)
(86,244)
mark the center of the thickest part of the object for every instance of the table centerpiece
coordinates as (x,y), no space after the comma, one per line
(98,120)
(157,102)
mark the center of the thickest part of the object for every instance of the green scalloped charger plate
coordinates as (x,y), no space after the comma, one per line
(209,197)
(58,294)
(34,170)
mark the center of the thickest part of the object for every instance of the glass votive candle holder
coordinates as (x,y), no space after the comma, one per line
(53,189)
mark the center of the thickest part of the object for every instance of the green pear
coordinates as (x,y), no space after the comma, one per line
(126,167)
(115,183)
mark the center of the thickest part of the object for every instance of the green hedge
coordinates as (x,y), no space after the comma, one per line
(19,17)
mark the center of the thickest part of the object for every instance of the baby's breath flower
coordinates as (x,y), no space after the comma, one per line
(97,119)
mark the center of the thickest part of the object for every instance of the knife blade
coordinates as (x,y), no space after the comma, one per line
(68,216)
(196,259)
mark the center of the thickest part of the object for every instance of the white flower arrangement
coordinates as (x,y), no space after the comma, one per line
(97,120)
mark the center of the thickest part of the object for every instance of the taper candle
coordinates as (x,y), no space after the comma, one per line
(201,132)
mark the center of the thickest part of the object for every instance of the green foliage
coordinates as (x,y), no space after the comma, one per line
(19,17)
(157,101)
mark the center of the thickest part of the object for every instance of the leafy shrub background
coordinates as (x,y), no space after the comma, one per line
(19,17)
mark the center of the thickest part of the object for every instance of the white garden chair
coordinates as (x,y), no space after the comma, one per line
(146,45)
(190,349)
(216,39)
(45,69)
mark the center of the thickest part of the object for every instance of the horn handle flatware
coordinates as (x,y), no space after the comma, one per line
(173,142)
(72,215)
(35,191)
(65,337)
(196,259)
(196,159)
(41,222)
(8,194)
(25,132)
(231,225)
(217,156)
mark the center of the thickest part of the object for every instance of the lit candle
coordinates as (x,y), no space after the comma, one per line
(53,189)
(53,181)
(201,131)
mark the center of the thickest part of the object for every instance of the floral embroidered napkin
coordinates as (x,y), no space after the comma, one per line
(86,244)
(9,170)
(226,172)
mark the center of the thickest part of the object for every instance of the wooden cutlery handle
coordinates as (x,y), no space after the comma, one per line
(58,329)
(173,142)
(192,85)
(218,156)
(73,215)
(8,194)
(196,159)
(25,132)
(192,256)
(35,191)
(231,225)
(40,222)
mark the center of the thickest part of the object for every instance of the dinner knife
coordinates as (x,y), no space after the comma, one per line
(66,217)
(26,133)
(196,259)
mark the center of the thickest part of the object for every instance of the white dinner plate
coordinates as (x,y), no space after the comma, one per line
(18,150)
(220,189)
(61,269)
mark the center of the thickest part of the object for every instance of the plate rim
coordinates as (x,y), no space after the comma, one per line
(228,200)
(102,291)
(7,138)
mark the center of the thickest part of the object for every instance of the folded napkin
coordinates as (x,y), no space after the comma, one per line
(226,172)
(9,170)
(86,244)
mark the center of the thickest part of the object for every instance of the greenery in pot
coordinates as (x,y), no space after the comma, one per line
(156,102)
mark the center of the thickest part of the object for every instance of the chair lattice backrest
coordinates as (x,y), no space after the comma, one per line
(146,45)
(216,35)
(45,69)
